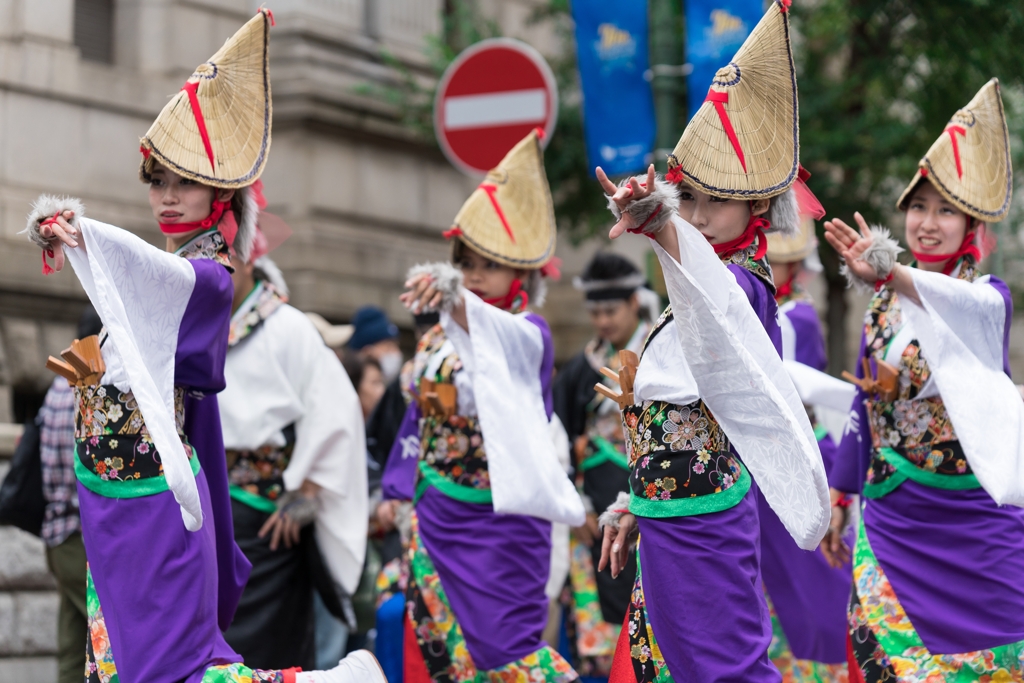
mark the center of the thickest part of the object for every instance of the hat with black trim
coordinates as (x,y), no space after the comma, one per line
(216,130)
(970,162)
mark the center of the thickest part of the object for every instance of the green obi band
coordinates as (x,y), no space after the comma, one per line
(682,463)
(599,451)
(820,432)
(114,454)
(694,505)
(128,487)
(466,494)
(889,469)
(253,500)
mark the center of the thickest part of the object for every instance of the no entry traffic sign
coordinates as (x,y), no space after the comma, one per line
(490,97)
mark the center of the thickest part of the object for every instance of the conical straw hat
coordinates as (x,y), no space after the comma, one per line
(510,217)
(754,98)
(791,248)
(232,91)
(970,162)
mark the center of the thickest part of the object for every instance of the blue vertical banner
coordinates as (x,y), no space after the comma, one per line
(618,107)
(715,29)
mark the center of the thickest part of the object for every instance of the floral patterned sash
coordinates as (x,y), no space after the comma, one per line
(912,437)
(116,457)
(452,454)
(680,459)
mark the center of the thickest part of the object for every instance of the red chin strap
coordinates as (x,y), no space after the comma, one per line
(213,219)
(515,291)
(967,247)
(786,288)
(756,226)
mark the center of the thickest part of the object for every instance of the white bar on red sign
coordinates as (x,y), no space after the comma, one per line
(495,109)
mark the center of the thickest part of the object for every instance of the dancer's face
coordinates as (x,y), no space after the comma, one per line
(719,220)
(934,225)
(486,278)
(615,320)
(175,199)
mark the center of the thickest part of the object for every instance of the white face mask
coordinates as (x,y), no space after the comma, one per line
(390,365)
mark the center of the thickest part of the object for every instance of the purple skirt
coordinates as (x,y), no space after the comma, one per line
(955,560)
(493,569)
(154,577)
(703,596)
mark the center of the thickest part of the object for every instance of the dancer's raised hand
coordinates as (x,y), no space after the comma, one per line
(851,245)
(622,196)
(59,230)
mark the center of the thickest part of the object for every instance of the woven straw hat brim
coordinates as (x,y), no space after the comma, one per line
(510,217)
(983,185)
(235,102)
(795,247)
(760,84)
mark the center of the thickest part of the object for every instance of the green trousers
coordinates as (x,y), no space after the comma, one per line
(67,564)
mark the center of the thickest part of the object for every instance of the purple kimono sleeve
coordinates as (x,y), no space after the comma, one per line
(762,301)
(199,367)
(203,333)
(810,342)
(547,363)
(853,454)
(399,480)
(1003,289)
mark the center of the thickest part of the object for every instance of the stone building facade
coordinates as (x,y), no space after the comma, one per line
(81,80)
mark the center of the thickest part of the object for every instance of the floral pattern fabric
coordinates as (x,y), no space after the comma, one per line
(907,421)
(442,643)
(257,307)
(452,448)
(260,472)
(455,450)
(887,648)
(759,267)
(595,638)
(677,451)
(99,658)
(208,245)
(648,663)
(111,435)
(919,429)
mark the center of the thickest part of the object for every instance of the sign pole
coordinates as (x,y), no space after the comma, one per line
(666,53)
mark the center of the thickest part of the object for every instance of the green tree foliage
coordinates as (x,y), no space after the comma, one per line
(878,80)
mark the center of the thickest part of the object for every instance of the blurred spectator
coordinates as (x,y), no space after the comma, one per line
(367,378)
(65,552)
(376,337)
(382,426)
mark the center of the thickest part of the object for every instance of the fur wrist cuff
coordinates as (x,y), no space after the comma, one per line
(447,279)
(299,508)
(654,211)
(613,514)
(46,206)
(881,256)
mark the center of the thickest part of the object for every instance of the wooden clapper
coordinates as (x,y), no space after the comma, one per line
(628,362)
(83,362)
(883,384)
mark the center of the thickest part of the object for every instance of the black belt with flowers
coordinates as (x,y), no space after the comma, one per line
(681,462)
(115,456)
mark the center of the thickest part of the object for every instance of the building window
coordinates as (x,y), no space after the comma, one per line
(94,30)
